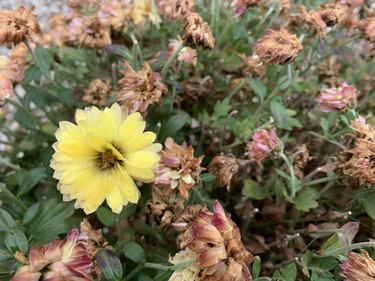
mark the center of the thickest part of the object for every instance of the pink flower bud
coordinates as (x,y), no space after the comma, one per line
(340,98)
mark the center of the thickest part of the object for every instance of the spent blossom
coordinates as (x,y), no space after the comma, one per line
(240,6)
(138,90)
(17,25)
(9,71)
(224,167)
(216,241)
(186,54)
(263,144)
(278,47)
(340,98)
(178,167)
(175,9)
(196,31)
(65,259)
(358,267)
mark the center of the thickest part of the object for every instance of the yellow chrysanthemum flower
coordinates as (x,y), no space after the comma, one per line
(99,158)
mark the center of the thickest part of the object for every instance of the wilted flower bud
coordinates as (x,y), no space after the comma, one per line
(362,129)
(17,25)
(178,167)
(175,9)
(367,27)
(196,31)
(278,47)
(138,90)
(241,6)
(216,241)
(96,93)
(340,98)
(59,260)
(9,71)
(224,167)
(264,143)
(91,32)
(358,267)
(311,19)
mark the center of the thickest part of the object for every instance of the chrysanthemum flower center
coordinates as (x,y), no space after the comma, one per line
(107,160)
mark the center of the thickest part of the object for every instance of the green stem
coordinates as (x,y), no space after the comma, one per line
(293,187)
(239,87)
(266,101)
(345,249)
(321,180)
(169,62)
(133,272)
(8,164)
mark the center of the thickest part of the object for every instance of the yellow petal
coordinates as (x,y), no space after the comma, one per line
(140,141)
(142,159)
(97,143)
(144,175)
(126,185)
(131,127)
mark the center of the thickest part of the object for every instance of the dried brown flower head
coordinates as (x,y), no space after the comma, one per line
(178,167)
(175,9)
(94,243)
(278,47)
(310,19)
(224,167)
(367,27)
(329,72)
(253,66)
(361,165)
(186,54)
(21,55)
(216,242)
(139,90)
(341,98)
(358,267)
(117,14)
(362,129)
(331,13)
(17,25)
(96,93)
(196,31)
(91,32)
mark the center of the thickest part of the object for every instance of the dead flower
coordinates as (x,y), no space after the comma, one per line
(224,167)
(331,13)
(340,98)
(196,31)
(138,90)
(358,267)
(367,27)
(96,93)
(91,32)
(253,66)
(17,25)
(196,87)
(240,6)
(186,55)
(263,144)
(278,47)
(310,19)
(216,242)
(178,167)
(175,9)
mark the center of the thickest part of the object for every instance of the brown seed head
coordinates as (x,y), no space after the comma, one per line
(278,47)
(138,90)
(17,25)
(311,19)
(196,31)
(331,13)
(91,32)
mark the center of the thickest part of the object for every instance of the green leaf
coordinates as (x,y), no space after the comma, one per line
(222,108)
(342,238)
(16,240)
(43,59)
(206,177)
(324,125)
(109,264)
(259,89)
(134,252)
(282,116)
(173,125)
(256,267)
(49,222)
(5,255)
(252,189)
(163,276)
(106,216)
(127,211)
(368,203)
(290,272)
(306,199)
(30,213)
(28,179)
(6,221)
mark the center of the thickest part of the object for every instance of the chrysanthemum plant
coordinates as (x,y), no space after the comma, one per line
(188,140)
